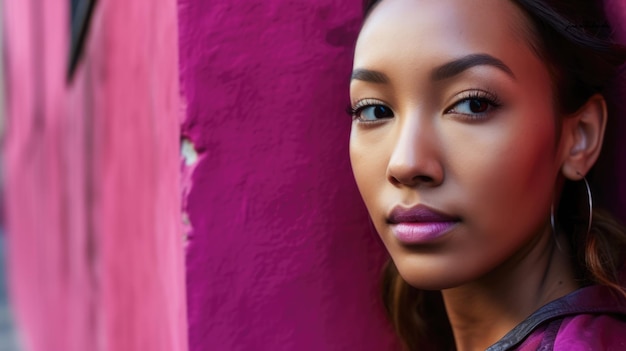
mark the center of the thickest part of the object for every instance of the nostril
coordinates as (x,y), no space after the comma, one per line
(413,181)
(424,179)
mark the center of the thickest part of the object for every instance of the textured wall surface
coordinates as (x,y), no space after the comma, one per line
(92,179)
(280,254)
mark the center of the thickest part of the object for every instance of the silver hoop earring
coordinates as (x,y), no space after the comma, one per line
(590,202)
(552,219)
(553,225)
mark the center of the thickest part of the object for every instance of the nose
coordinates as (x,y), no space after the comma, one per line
(415,159)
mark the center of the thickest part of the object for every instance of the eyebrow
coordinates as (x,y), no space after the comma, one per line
(458,66)
(445,71)
(367,75)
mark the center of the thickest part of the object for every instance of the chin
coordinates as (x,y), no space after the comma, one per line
(427,276)
(430,283)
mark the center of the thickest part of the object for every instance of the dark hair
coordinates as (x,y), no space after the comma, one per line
(575,40)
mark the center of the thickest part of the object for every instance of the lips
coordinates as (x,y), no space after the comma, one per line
(420,224)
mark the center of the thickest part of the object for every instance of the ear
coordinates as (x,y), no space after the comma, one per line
(582,136)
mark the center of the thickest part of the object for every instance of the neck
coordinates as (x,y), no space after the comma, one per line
(483,311)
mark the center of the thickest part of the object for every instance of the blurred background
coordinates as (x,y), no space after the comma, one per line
(8,336)
(175,177)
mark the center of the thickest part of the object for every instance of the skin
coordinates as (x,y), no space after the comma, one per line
(480,146)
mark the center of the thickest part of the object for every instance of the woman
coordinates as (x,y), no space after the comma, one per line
(474,126)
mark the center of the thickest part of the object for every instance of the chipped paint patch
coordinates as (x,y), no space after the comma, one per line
(188,152)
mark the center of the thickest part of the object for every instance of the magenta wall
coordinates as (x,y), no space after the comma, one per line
(280,255)
(95,247)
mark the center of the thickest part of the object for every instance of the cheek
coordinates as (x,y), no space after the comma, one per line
(369,163)
(361,165)
(509,171)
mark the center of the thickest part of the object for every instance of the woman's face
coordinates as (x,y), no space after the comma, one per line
(453,145)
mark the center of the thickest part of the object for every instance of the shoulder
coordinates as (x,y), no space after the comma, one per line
(581,332)
(591,332)
(591,318)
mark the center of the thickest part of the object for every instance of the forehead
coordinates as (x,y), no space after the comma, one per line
(449,28)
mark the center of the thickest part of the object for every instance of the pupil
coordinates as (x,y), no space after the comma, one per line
(478,106)
(381,112)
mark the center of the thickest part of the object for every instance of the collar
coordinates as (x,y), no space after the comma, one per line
(594,299)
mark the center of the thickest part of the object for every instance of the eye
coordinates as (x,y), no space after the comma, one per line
(370,111)
(475,104)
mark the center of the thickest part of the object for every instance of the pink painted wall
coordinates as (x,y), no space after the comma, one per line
(280,255)
(92,179)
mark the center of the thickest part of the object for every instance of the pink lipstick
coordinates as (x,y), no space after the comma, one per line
(420,224)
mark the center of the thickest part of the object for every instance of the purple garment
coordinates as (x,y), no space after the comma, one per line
(592,318)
